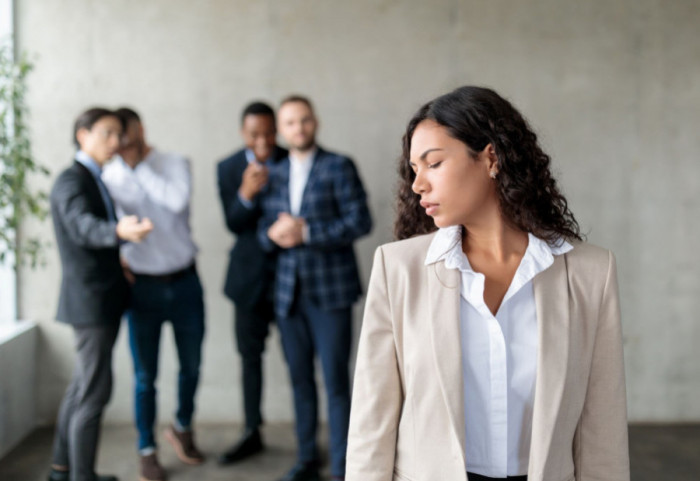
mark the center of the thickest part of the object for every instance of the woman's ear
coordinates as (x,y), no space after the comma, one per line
(491,159)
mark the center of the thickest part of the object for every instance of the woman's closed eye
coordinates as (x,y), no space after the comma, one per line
(435,165)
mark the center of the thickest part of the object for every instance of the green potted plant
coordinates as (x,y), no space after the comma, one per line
(17,201)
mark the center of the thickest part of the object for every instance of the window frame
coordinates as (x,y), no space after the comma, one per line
(8,277)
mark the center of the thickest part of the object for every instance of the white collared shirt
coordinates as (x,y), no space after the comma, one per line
(299,170)
(499,356)
(158,188)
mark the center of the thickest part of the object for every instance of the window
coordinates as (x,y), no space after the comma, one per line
(8,286)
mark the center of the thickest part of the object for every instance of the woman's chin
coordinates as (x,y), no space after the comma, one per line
(440,222)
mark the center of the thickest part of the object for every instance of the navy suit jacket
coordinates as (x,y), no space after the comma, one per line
(334,206)
(93,288)
(250,269)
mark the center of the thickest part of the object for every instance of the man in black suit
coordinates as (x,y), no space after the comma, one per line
(93,289)
(242,179)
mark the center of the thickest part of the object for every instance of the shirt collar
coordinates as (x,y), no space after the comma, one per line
(447,246)
(305,162)
(89,163)
(250,157)
(540,255)
(444,241)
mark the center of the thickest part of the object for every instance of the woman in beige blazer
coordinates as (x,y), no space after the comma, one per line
(508,255)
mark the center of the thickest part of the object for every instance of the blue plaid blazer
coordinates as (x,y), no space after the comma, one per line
(334,206)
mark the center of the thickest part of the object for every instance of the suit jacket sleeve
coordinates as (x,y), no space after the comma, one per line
(73,208)
(268,217)
(354,219)
(377,388)
(238,216)
(601,444)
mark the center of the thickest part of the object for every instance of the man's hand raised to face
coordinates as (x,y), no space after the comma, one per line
(255,177)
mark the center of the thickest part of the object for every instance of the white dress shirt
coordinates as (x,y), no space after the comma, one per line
(158,188)
(299,170)
(499,356)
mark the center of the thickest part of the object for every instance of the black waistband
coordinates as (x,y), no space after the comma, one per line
(478,477)
(170,277)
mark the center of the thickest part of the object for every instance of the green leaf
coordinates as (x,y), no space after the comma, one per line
(17,202)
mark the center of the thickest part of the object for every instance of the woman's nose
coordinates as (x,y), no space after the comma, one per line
(418,185)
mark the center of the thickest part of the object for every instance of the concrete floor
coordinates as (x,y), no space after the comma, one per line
(658,453)
(117,455)
(665,452)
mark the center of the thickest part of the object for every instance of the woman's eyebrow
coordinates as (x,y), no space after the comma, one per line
(425,154)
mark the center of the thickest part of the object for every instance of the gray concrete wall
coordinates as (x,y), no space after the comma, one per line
(612,88)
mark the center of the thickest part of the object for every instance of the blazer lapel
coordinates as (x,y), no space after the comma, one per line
(94,191)
(443,289)
(552,300)
(313,178)
(284,167)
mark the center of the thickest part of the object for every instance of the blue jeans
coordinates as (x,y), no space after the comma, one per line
(153,302)
(309,330)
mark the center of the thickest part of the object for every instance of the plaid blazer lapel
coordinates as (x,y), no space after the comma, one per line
(283,170)
(307,196)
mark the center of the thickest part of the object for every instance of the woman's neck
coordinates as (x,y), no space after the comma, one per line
(496,240)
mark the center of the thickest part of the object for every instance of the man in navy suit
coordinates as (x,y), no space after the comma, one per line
(242,179)
(315,209)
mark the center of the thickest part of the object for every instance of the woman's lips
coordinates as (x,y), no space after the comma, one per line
(429,207)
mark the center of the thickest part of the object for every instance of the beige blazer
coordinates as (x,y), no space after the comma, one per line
(407,418)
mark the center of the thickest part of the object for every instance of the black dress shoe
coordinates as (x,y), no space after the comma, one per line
(56,475)
(250,444)
(303,472)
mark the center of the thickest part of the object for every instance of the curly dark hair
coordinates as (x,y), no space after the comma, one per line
(528,194)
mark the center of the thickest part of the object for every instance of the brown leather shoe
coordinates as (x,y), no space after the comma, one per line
(184,446)
(151,470)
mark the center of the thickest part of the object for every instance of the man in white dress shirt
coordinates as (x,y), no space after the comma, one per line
(165,286)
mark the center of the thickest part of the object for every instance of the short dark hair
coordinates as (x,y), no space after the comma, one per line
(257,108)
(89,118)
(127,114)
(297,98)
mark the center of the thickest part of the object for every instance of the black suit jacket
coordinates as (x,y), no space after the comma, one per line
(93,288)
(250,272)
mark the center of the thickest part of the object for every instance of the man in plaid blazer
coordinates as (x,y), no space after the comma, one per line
(316,207)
